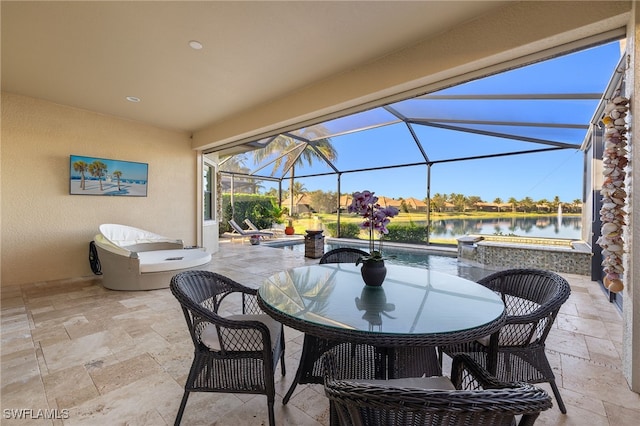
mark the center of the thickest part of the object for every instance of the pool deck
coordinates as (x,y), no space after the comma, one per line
(114,357)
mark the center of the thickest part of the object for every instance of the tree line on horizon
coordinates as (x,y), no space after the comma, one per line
(326,201)
(461,203)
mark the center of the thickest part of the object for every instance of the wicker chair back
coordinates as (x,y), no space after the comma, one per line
(478,399)
(237,346)
(342,255)
(532,300)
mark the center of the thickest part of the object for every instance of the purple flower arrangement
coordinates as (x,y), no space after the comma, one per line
(376,219)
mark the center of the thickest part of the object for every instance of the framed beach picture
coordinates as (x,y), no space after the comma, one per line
(102,176)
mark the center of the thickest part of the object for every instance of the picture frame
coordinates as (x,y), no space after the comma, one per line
(107,177)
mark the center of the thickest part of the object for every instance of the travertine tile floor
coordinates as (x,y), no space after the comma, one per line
(101,357)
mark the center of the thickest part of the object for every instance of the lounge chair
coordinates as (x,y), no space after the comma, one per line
(253,227)
(238,232)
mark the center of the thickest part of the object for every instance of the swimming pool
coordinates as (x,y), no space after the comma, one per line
(437,261)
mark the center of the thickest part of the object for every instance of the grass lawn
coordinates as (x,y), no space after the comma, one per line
(421,217)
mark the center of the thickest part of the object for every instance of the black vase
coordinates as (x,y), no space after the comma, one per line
(373,272)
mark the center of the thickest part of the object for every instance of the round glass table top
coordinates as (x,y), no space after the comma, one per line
(411,300)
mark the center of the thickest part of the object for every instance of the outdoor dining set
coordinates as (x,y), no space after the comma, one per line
(425,348)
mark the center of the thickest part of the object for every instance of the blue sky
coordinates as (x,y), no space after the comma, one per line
(539,176)
(130,170)
(557,174)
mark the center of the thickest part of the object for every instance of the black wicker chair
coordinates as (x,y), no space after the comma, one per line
(342,255)
(517,352)
(237,346)
(352,357)
(471,397)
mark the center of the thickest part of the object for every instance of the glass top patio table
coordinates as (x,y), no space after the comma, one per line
(414,306)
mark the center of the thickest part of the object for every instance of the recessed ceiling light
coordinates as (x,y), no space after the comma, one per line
(132,99)
(195,44)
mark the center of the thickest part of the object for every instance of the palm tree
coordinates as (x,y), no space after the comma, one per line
(236,164)
(272,192)
(514,203)
(80,167)
(98,169)
(458,200)
(255,186)
(294,153)
(403,205)
(473,201)
(576,205)
(527,204)
(438,202)
(298,188)
(544,203)
(117,174)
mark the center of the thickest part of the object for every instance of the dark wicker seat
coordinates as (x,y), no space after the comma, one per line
(532,299)
(342,255)
(352,357)
(237,346)
(472,397)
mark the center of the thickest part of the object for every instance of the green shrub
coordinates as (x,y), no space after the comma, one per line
(331,229)
(347,230)
(406,233)
(398,233)
(246,206)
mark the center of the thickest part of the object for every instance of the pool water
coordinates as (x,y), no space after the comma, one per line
(440,262)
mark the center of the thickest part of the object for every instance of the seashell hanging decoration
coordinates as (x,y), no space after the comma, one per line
(614,196)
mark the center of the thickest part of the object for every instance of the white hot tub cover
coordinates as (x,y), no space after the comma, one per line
(123,235)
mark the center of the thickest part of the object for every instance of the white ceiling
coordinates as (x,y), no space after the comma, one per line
(91,55)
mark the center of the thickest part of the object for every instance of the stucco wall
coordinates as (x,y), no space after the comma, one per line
(46,231)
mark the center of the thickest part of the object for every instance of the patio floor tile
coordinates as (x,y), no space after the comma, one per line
(122,357)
